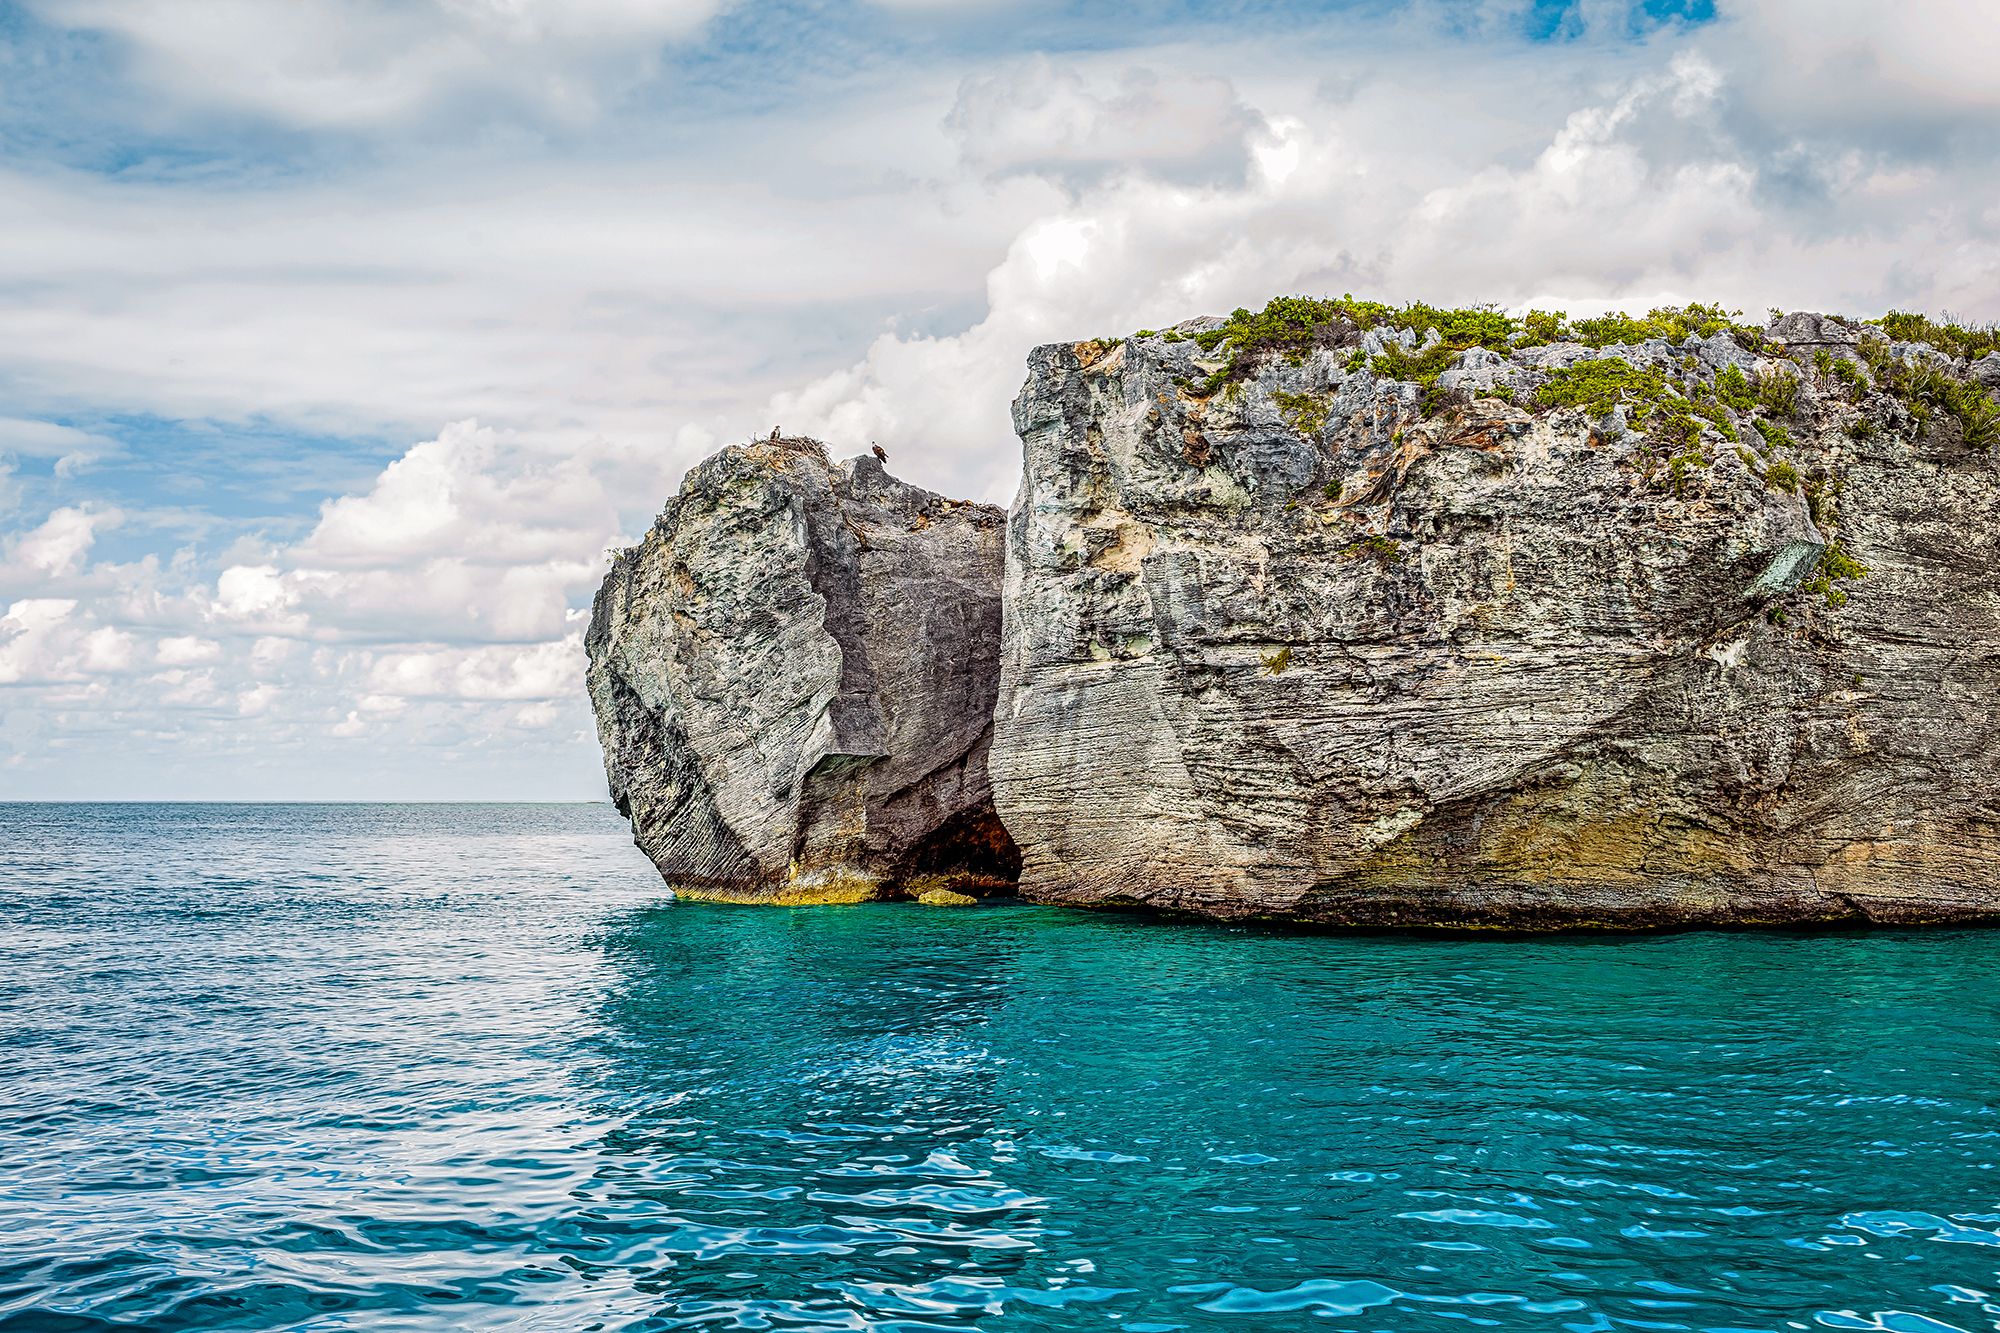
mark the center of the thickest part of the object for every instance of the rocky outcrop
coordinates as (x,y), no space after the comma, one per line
(1345,615)
(1324,619)
(793,676)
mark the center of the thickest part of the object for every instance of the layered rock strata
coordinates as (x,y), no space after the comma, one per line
(1342,625)
(793,676)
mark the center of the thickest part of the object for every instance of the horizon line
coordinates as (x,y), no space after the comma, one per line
(228,800)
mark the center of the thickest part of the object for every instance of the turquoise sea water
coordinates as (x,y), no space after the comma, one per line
(468,1068)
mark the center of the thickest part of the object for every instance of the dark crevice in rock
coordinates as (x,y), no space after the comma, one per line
(970,852)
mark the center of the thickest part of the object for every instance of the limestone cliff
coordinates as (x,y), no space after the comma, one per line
(1347,615)
(793,676)
(1343,614)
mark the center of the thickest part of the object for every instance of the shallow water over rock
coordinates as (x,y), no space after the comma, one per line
(431,1067)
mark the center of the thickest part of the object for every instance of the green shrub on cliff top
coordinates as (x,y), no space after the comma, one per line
(1471,326)
(1290,325)
(1293,326)
(1600,385)
(1649,397)
(1421,368)
(1306,412)
(1732,389)
(1775,436)
(1542,326)
(1672,323)
(1778,392)
(1924,387)
(1952,339)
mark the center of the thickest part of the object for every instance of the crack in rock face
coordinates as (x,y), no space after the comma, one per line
(1330,619)
(794,675)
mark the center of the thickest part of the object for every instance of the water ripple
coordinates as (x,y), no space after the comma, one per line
(423,1068)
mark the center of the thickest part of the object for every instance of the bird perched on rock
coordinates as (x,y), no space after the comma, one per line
(879,452)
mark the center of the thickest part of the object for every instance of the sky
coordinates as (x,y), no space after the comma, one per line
(340,339)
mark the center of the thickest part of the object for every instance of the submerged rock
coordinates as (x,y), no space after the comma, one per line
(793,676)
(945,898)
(1354,629)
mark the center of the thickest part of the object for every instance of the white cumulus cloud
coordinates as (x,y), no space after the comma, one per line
(361,62)
(595,294)
(1042,117)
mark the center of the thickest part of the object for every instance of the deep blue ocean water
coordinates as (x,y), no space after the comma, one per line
(468,1068)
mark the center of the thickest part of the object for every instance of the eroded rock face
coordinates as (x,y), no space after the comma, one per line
(793,676)
(1322,646)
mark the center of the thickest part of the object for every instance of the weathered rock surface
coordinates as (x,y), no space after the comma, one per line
(1322,646)
(793,676)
